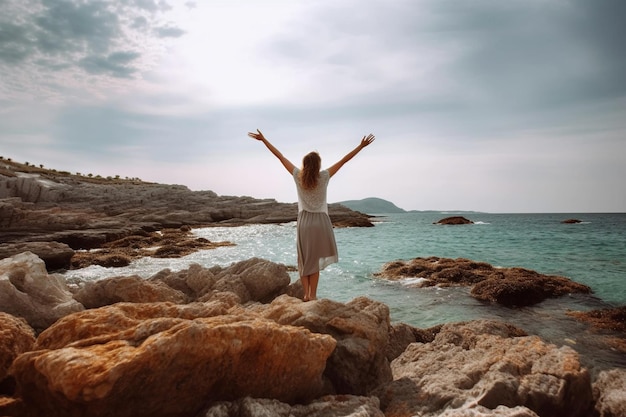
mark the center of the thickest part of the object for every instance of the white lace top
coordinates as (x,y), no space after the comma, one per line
(314,200)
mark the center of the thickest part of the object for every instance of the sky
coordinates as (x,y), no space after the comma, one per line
(484,105)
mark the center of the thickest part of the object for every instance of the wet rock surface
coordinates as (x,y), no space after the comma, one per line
(511,287)
(454,220)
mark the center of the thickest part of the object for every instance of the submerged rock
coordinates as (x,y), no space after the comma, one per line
(609,323)
(608,318)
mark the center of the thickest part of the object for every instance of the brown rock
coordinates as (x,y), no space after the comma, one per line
(571,221)
(609,392)
(16,337)
(134,289)
(157,360)
(609,318)
(487,364)
(361,329)
(609,323)
(328,406)
(507,286)
(523,287)
(402,335)
(168,243)
(454,220)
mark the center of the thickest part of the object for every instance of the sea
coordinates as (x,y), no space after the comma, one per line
(592,252)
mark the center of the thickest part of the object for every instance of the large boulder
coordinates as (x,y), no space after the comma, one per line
(16,337)
(55,255)
(609,391)
(133,289)
(360,327)
(254,279)
(26,290)
(487,364)
(162,359)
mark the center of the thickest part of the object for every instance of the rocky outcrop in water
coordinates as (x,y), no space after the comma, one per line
(225,357)
(454,220)
(511,287)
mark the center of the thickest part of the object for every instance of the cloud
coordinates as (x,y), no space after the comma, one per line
(104,38)
(169,32)
(473,102)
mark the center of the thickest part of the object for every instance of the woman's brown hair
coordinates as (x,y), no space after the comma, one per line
(309,174)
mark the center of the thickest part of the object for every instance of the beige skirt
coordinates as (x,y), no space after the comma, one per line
(316,242)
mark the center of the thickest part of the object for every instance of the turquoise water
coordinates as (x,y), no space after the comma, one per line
(592,252)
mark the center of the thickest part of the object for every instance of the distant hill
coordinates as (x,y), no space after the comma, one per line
(372,205)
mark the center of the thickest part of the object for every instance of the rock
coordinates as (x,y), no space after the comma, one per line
(402,335)
(55,255)
(263,279)
(167,243)
(26,290)
(16,337)
(571,221)
(254,279)
(361,329)
(328,406)
(132,289)
(609,392)
(523,287)
(250,280)
(85,211)
(454,220)
(488,364)
(608,318)
(162,359)
(510,287)
(609,323)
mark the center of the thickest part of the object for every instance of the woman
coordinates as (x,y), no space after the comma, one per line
(315,238)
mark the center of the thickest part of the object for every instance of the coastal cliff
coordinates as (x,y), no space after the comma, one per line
(54,213)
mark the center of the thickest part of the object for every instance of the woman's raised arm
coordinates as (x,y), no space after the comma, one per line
(364,142)
(286,163)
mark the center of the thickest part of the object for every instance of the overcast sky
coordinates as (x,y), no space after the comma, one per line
(496,106)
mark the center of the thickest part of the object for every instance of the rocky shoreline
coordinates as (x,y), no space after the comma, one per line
(238,341)
(54,214)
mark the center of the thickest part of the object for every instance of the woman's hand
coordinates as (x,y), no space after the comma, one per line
(257,136)
(367,140)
